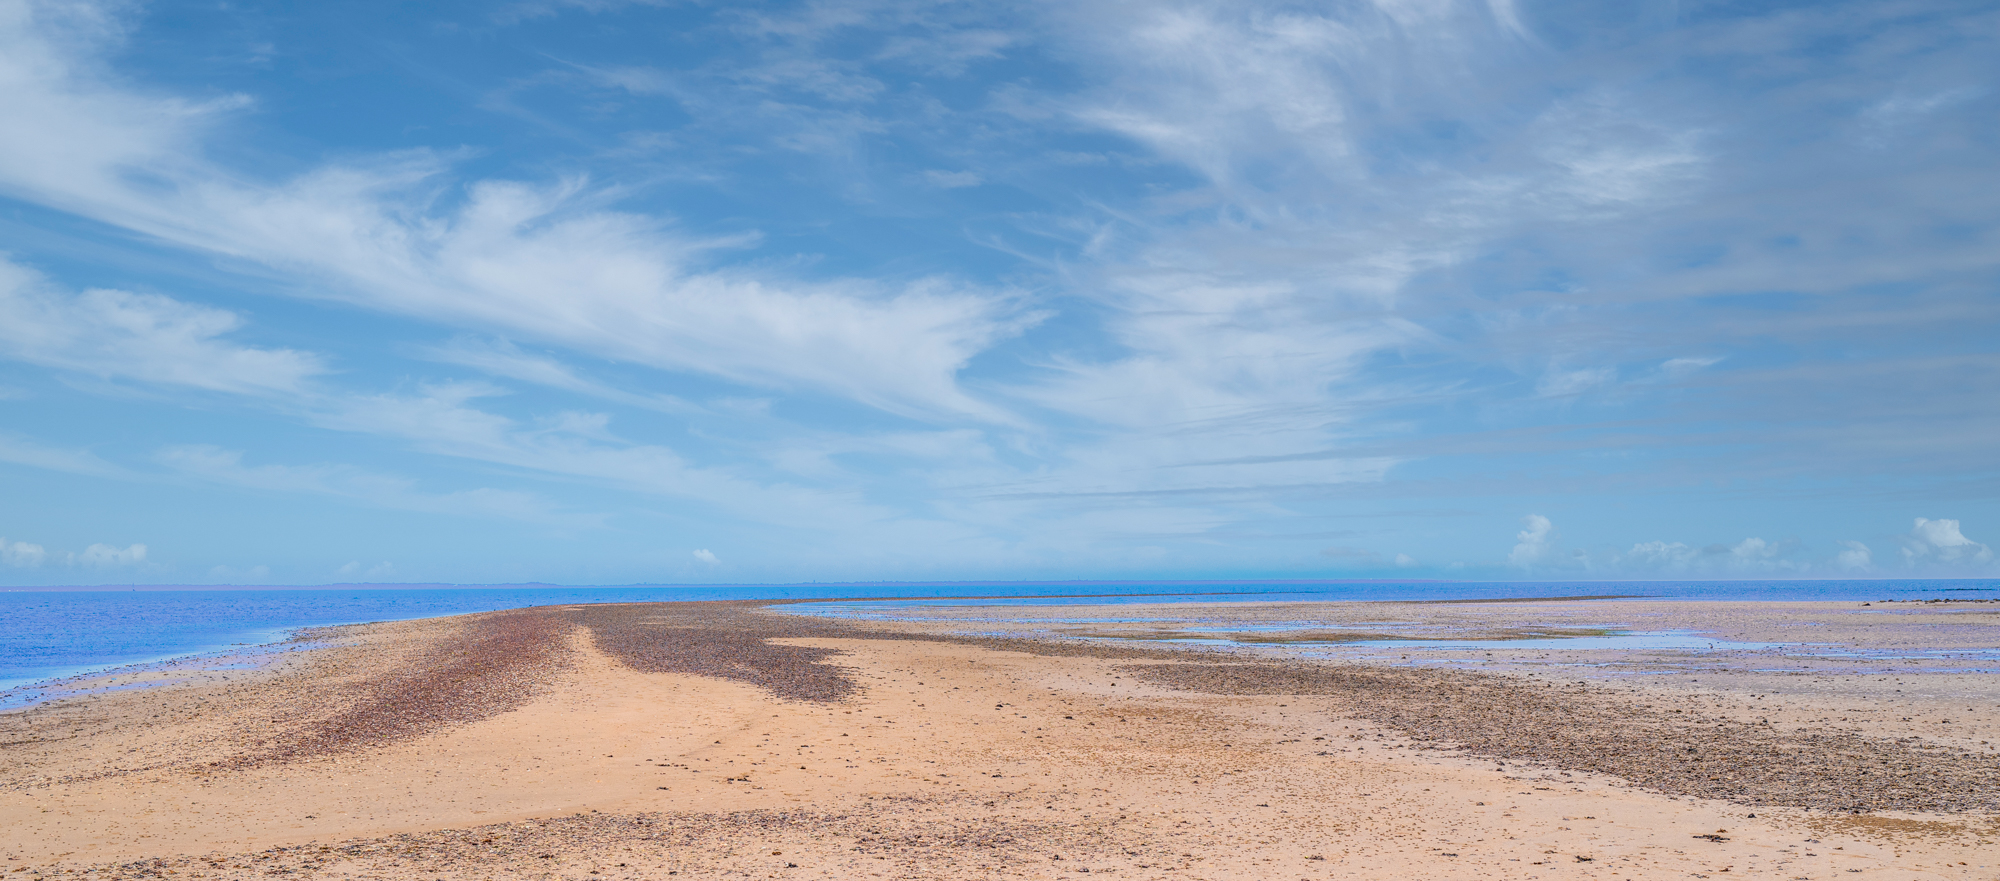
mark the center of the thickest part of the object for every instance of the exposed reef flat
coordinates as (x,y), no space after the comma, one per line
(698,739)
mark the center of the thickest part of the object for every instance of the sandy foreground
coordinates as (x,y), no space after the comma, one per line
(726,739)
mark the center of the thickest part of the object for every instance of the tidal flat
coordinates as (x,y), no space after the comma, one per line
(1579,738)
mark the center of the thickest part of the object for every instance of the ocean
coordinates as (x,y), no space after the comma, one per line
(52,634)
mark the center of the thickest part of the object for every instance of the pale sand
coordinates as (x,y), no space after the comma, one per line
(947,759)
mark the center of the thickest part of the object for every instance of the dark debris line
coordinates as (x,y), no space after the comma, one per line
(919,836)
(719,640)
(500,658)
(493,664)
(1574,728)
(1564,728)
(731,640)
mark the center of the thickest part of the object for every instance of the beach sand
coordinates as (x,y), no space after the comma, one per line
(704,740)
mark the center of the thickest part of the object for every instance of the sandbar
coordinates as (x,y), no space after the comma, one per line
(1158,741)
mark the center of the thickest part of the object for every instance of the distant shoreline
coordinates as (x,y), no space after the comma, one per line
(65,649)
(1983,584)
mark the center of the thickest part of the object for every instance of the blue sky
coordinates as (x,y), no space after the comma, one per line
(592,291)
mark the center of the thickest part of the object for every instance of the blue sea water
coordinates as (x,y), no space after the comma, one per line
(49,634)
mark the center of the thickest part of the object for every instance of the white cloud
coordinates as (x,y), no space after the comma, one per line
(1676,368)
(1942,541)
(1250,334)
(441,420)
(949,51)
(707,556)
(503,358)
(1853,557)
(1899,112)
(1405,560)
(637,80)
(1752,550)
(1563,383)
(145,337)
(107,556)
(21,554)
(24,451)
(1213,88)
(1533,543)
(548,262)
(1748,556)
(1608,160)
(1233,348)
(1662,555)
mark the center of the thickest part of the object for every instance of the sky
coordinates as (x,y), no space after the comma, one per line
(602,291)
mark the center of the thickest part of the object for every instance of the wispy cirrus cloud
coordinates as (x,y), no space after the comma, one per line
(503,358)
(549,262)
(144,337)
(20,450)
(1106,283)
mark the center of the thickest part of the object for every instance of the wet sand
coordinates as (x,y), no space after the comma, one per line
(703,740)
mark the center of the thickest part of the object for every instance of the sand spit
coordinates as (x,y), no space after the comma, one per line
(723,739)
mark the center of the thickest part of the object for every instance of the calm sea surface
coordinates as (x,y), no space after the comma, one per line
(51,634)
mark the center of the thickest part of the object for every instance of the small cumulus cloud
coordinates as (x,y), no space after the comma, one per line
(21,554)
(1662,555)
(1747,556)
(1854,556)
(1533,543)
(1942,541)
(108,556)
(1405,560)
(28,555)
(707,556)
(1752,550)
